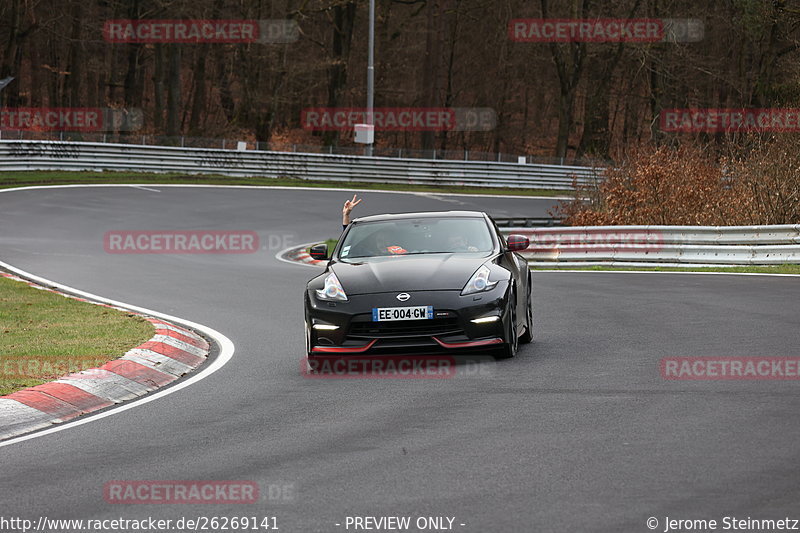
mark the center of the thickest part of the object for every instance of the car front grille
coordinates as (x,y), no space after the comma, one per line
(404,328)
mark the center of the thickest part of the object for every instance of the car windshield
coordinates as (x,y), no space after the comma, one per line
(417,236)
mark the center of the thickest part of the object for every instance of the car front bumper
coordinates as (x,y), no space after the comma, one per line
(450,329)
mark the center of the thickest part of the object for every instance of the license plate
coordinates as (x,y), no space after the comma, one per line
(421,312)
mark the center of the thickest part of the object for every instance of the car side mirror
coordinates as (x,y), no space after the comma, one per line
(517,243)
(319,251)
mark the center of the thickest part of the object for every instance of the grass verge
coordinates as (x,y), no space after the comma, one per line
(777,269)
(31,178)
(44,335)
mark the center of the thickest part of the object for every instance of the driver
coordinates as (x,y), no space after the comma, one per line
(459,243)
(384,244)
(348,206)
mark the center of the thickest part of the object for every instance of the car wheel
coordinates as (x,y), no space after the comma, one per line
(509,347)
(527,337)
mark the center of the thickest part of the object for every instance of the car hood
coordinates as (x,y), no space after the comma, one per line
(407,273)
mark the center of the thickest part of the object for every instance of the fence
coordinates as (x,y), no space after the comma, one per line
(97,156)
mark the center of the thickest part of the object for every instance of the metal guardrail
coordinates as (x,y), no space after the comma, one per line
(662,245)
(284,146)
(55,155)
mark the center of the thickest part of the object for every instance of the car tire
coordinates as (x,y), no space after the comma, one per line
(527,337)
(511,342)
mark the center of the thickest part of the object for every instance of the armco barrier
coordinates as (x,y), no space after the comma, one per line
(662,245)
(56,155)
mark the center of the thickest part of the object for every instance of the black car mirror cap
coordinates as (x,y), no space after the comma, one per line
(517,243)
(319,251)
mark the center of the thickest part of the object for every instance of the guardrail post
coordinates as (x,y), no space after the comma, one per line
(181,141)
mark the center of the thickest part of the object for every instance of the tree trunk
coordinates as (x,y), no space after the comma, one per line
(199,98)
(133,89)
(566,99)
(12,57)
(596,137)
(656,85)
(158,86)
(75,58)
(448,95)
(223,76)
(344,16)
(37,80)
(174,90)
(569,75)
(112,80)
(430,65)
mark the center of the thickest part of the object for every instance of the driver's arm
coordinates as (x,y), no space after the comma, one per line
(347,208)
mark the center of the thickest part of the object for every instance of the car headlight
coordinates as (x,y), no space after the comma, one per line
(479,282)
(332,290)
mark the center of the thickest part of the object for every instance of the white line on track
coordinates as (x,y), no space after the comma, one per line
(144,188)
(226,352)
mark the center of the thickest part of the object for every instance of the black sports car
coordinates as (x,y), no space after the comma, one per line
(430,282)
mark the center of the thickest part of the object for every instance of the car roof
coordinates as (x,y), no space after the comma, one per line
(424,214)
